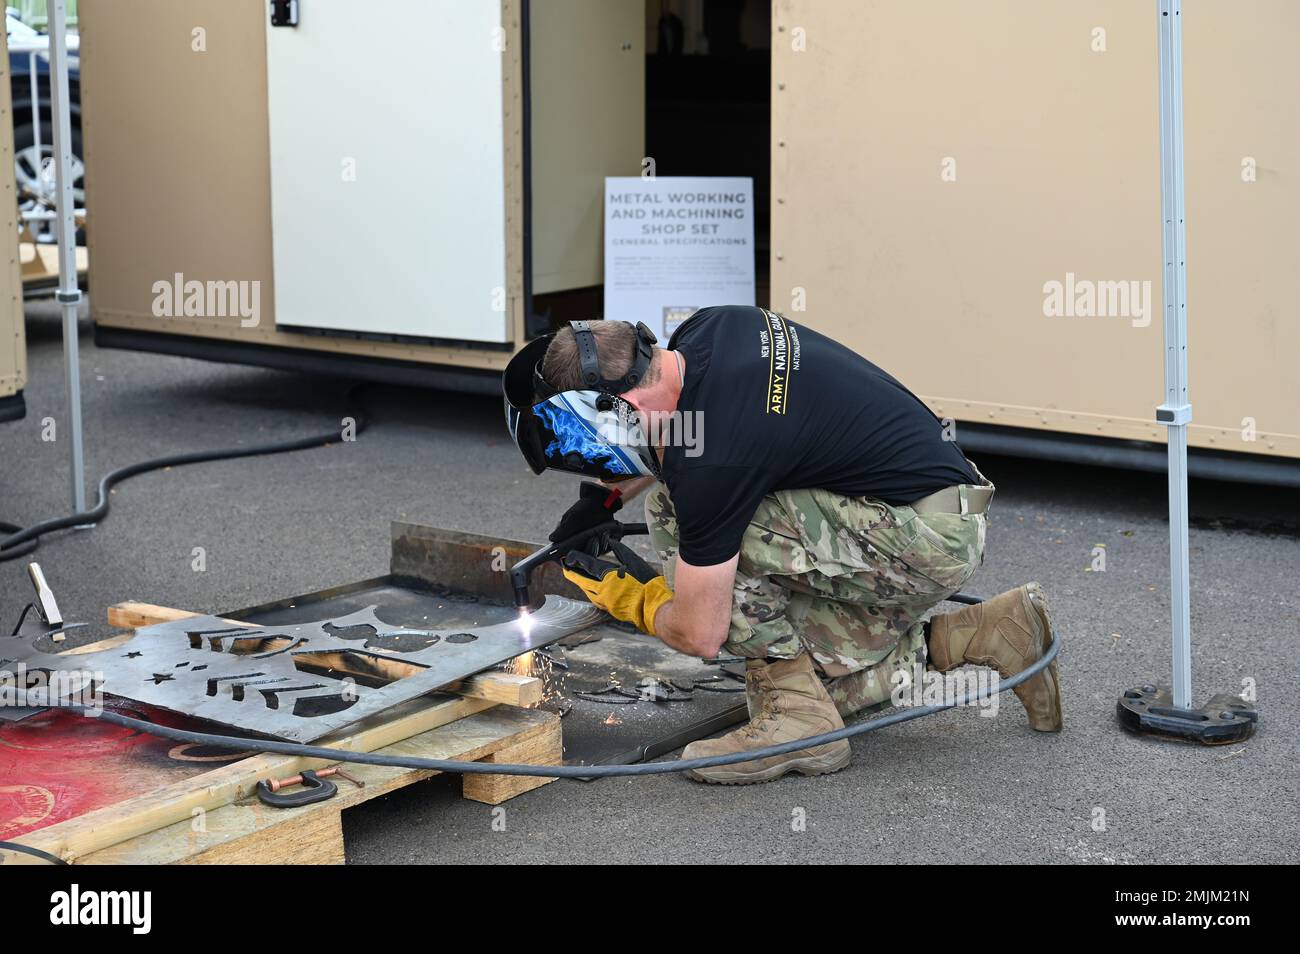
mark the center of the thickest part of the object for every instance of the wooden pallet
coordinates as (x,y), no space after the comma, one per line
(248,832)
(215,816)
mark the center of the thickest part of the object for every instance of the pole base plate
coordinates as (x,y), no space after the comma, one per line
(1150,710)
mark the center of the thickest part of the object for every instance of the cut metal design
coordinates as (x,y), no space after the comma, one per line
(303,681)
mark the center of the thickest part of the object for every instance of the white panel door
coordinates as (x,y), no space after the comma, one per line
(387,168)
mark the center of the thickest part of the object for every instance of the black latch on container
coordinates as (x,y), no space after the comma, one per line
(284,13)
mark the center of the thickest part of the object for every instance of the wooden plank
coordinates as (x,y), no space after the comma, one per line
(503,687)
(317,839)
(149,811)
(493,686)
(248,832)
(540,748)
(111,642)
(133,615)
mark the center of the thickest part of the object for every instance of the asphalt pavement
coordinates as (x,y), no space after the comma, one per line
(951,788)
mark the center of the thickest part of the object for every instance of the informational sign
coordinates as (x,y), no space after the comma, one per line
(673,245)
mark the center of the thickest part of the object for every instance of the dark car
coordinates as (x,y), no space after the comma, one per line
(35,187)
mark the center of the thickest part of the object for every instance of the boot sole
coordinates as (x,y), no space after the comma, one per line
(815,765)
(1038,600)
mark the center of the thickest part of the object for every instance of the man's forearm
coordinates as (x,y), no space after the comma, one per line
(667,630)
(675,628)
(697,620)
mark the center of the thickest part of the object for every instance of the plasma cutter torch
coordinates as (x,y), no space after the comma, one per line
(594,541)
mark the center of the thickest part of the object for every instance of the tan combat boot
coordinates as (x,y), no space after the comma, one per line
(1008,633)
(786,702)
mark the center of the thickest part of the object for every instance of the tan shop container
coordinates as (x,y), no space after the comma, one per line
(935,167)
(185,176)
(1047,114)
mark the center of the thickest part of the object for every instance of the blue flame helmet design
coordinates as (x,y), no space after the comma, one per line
(592,431)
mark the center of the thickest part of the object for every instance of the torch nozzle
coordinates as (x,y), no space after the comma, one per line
(521,594)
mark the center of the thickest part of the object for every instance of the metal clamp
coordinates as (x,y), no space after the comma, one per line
(314,788)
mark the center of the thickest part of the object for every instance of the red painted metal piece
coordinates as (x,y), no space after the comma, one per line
(58,765)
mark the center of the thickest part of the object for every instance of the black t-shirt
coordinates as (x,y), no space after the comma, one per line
(768,405)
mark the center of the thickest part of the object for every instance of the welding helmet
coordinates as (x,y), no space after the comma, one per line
(591,431)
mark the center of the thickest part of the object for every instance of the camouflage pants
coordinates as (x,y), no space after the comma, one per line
(846,579)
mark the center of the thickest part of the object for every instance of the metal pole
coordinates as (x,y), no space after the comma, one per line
(68,294)
(34,80)
(1175,413)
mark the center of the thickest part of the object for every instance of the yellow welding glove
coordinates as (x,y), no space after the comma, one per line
(629,590)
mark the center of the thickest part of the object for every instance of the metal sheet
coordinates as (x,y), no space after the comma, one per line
(281,680)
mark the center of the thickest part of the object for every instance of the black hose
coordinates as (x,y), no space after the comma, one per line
(552,771)
(12,528)
(582,772)
(24,540)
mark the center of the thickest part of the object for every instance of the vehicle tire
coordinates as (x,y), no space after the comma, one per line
(29,178)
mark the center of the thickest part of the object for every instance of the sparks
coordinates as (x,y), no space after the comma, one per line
(521,665)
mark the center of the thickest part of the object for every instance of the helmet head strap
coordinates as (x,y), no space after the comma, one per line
(525,386)
(589,362)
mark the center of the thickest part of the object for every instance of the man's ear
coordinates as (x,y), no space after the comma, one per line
(636,396)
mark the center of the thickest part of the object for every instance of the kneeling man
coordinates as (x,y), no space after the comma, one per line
(807,507)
